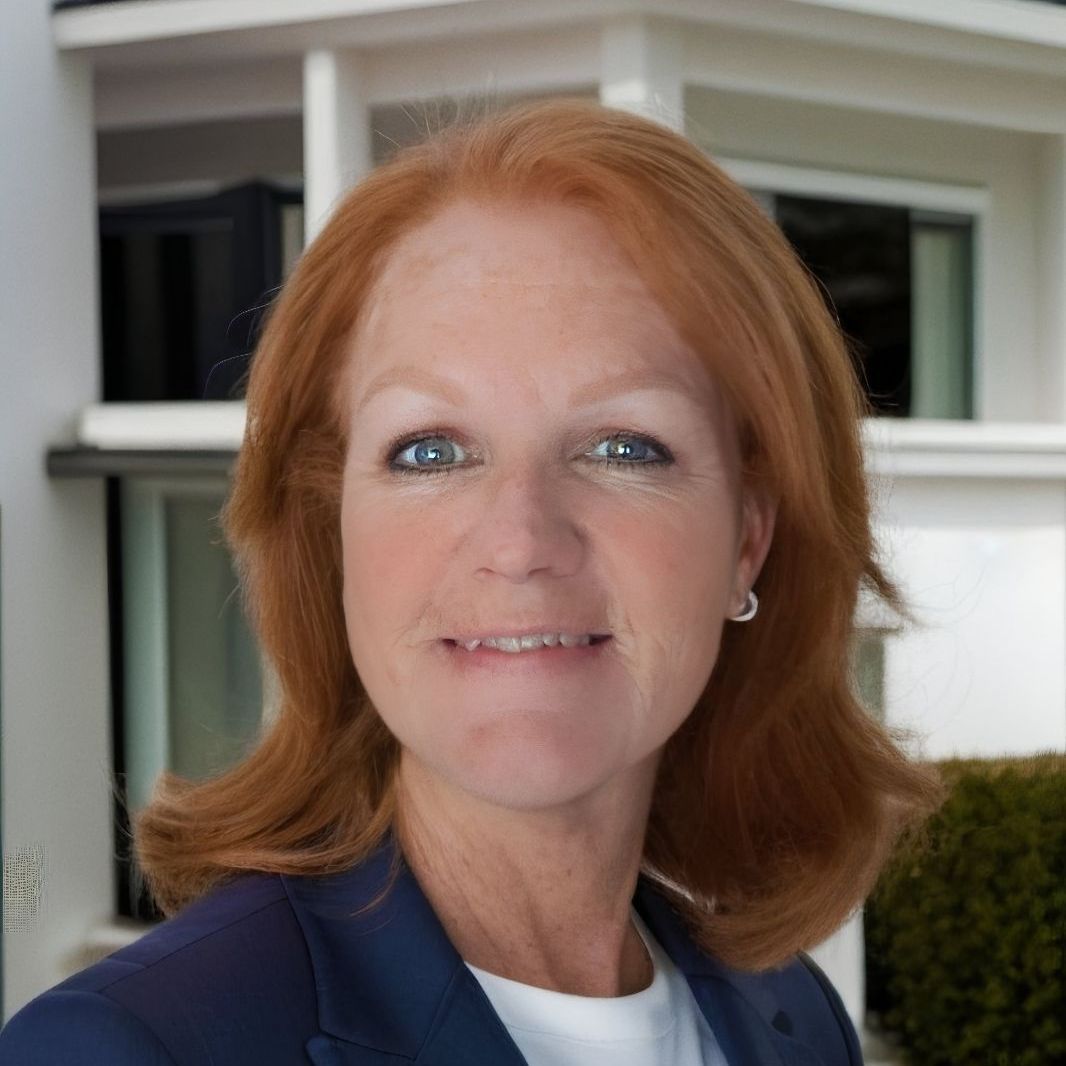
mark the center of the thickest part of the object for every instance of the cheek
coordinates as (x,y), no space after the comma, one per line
(672,573)
(387,569)
(677,562)
(386,549)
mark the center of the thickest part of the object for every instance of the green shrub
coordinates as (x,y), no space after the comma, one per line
(964,932)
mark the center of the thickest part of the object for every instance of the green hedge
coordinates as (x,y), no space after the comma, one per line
(964,933)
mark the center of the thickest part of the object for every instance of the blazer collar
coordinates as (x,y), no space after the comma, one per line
(740,1007)
(390,983)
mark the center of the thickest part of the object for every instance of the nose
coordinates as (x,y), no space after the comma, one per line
(530,523)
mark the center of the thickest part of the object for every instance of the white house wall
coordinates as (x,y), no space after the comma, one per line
(983,564)
(54,700)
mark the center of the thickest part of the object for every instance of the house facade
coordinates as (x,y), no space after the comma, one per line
(913,150)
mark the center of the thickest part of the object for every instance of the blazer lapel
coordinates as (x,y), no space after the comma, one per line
(469,1033)
(393,990)
(391,987)
(739,1016)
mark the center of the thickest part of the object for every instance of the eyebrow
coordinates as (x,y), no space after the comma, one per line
(419,379)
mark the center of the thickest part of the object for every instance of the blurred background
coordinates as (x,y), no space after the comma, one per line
(165,161)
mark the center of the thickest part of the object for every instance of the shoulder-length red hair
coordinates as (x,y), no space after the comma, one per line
(780,797)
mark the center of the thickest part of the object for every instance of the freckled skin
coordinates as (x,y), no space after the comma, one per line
(520,306)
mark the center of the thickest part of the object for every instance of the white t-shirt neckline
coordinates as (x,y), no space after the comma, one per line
(651,1012)
(661,1025)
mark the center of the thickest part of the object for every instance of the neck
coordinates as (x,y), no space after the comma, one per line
(542,897)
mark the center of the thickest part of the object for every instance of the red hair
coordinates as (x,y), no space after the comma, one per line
(780,797)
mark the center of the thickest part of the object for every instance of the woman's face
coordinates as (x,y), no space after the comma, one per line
(532,449)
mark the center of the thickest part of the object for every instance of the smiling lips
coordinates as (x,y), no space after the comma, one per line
(531,641)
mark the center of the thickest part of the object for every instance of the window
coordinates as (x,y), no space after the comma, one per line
(900,281)
(192,682)
(897,260)
(183,284)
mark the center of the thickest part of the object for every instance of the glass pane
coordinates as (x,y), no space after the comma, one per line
(861,253)
(868,670)
(292,236)
(941,329)
(184,285)
(214,685)
(167,305)
(189,694)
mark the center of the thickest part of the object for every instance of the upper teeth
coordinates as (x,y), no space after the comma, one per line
(534,640)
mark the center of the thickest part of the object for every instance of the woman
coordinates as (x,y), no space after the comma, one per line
(548,781)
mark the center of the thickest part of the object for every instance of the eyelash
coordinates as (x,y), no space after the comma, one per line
(405,441)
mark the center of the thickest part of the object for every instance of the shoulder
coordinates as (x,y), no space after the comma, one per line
(221,980)
(800,1002)
(79,1029)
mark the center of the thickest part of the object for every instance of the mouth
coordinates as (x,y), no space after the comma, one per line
(541,657)
(513,646)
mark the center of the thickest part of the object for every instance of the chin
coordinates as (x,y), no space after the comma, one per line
(527,775)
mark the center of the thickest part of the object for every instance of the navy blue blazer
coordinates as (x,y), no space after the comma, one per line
(269,970)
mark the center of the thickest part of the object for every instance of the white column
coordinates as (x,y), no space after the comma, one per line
(1051,277)
(336,132)
(843,958)
(642,67)
(54,692)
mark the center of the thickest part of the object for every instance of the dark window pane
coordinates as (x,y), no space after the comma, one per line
(861,253)
(184,285)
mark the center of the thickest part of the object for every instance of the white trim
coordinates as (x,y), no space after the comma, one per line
(1018,20)
(954,83)
(193,424)
(950,449)
(916,447)
(846,185)
(146,20)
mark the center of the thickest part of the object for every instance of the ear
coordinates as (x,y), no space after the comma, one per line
(758,517)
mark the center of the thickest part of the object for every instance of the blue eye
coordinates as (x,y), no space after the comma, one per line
(430,453)
(425,448)
(625,444)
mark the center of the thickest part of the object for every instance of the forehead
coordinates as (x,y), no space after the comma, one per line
(474,244)
(517,281)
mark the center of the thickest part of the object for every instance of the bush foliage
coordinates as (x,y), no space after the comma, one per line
(965,929)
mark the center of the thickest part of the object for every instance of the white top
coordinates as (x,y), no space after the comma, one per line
(662,1025)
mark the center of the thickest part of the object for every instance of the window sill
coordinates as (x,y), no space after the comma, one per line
(204,436)
(945,448)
